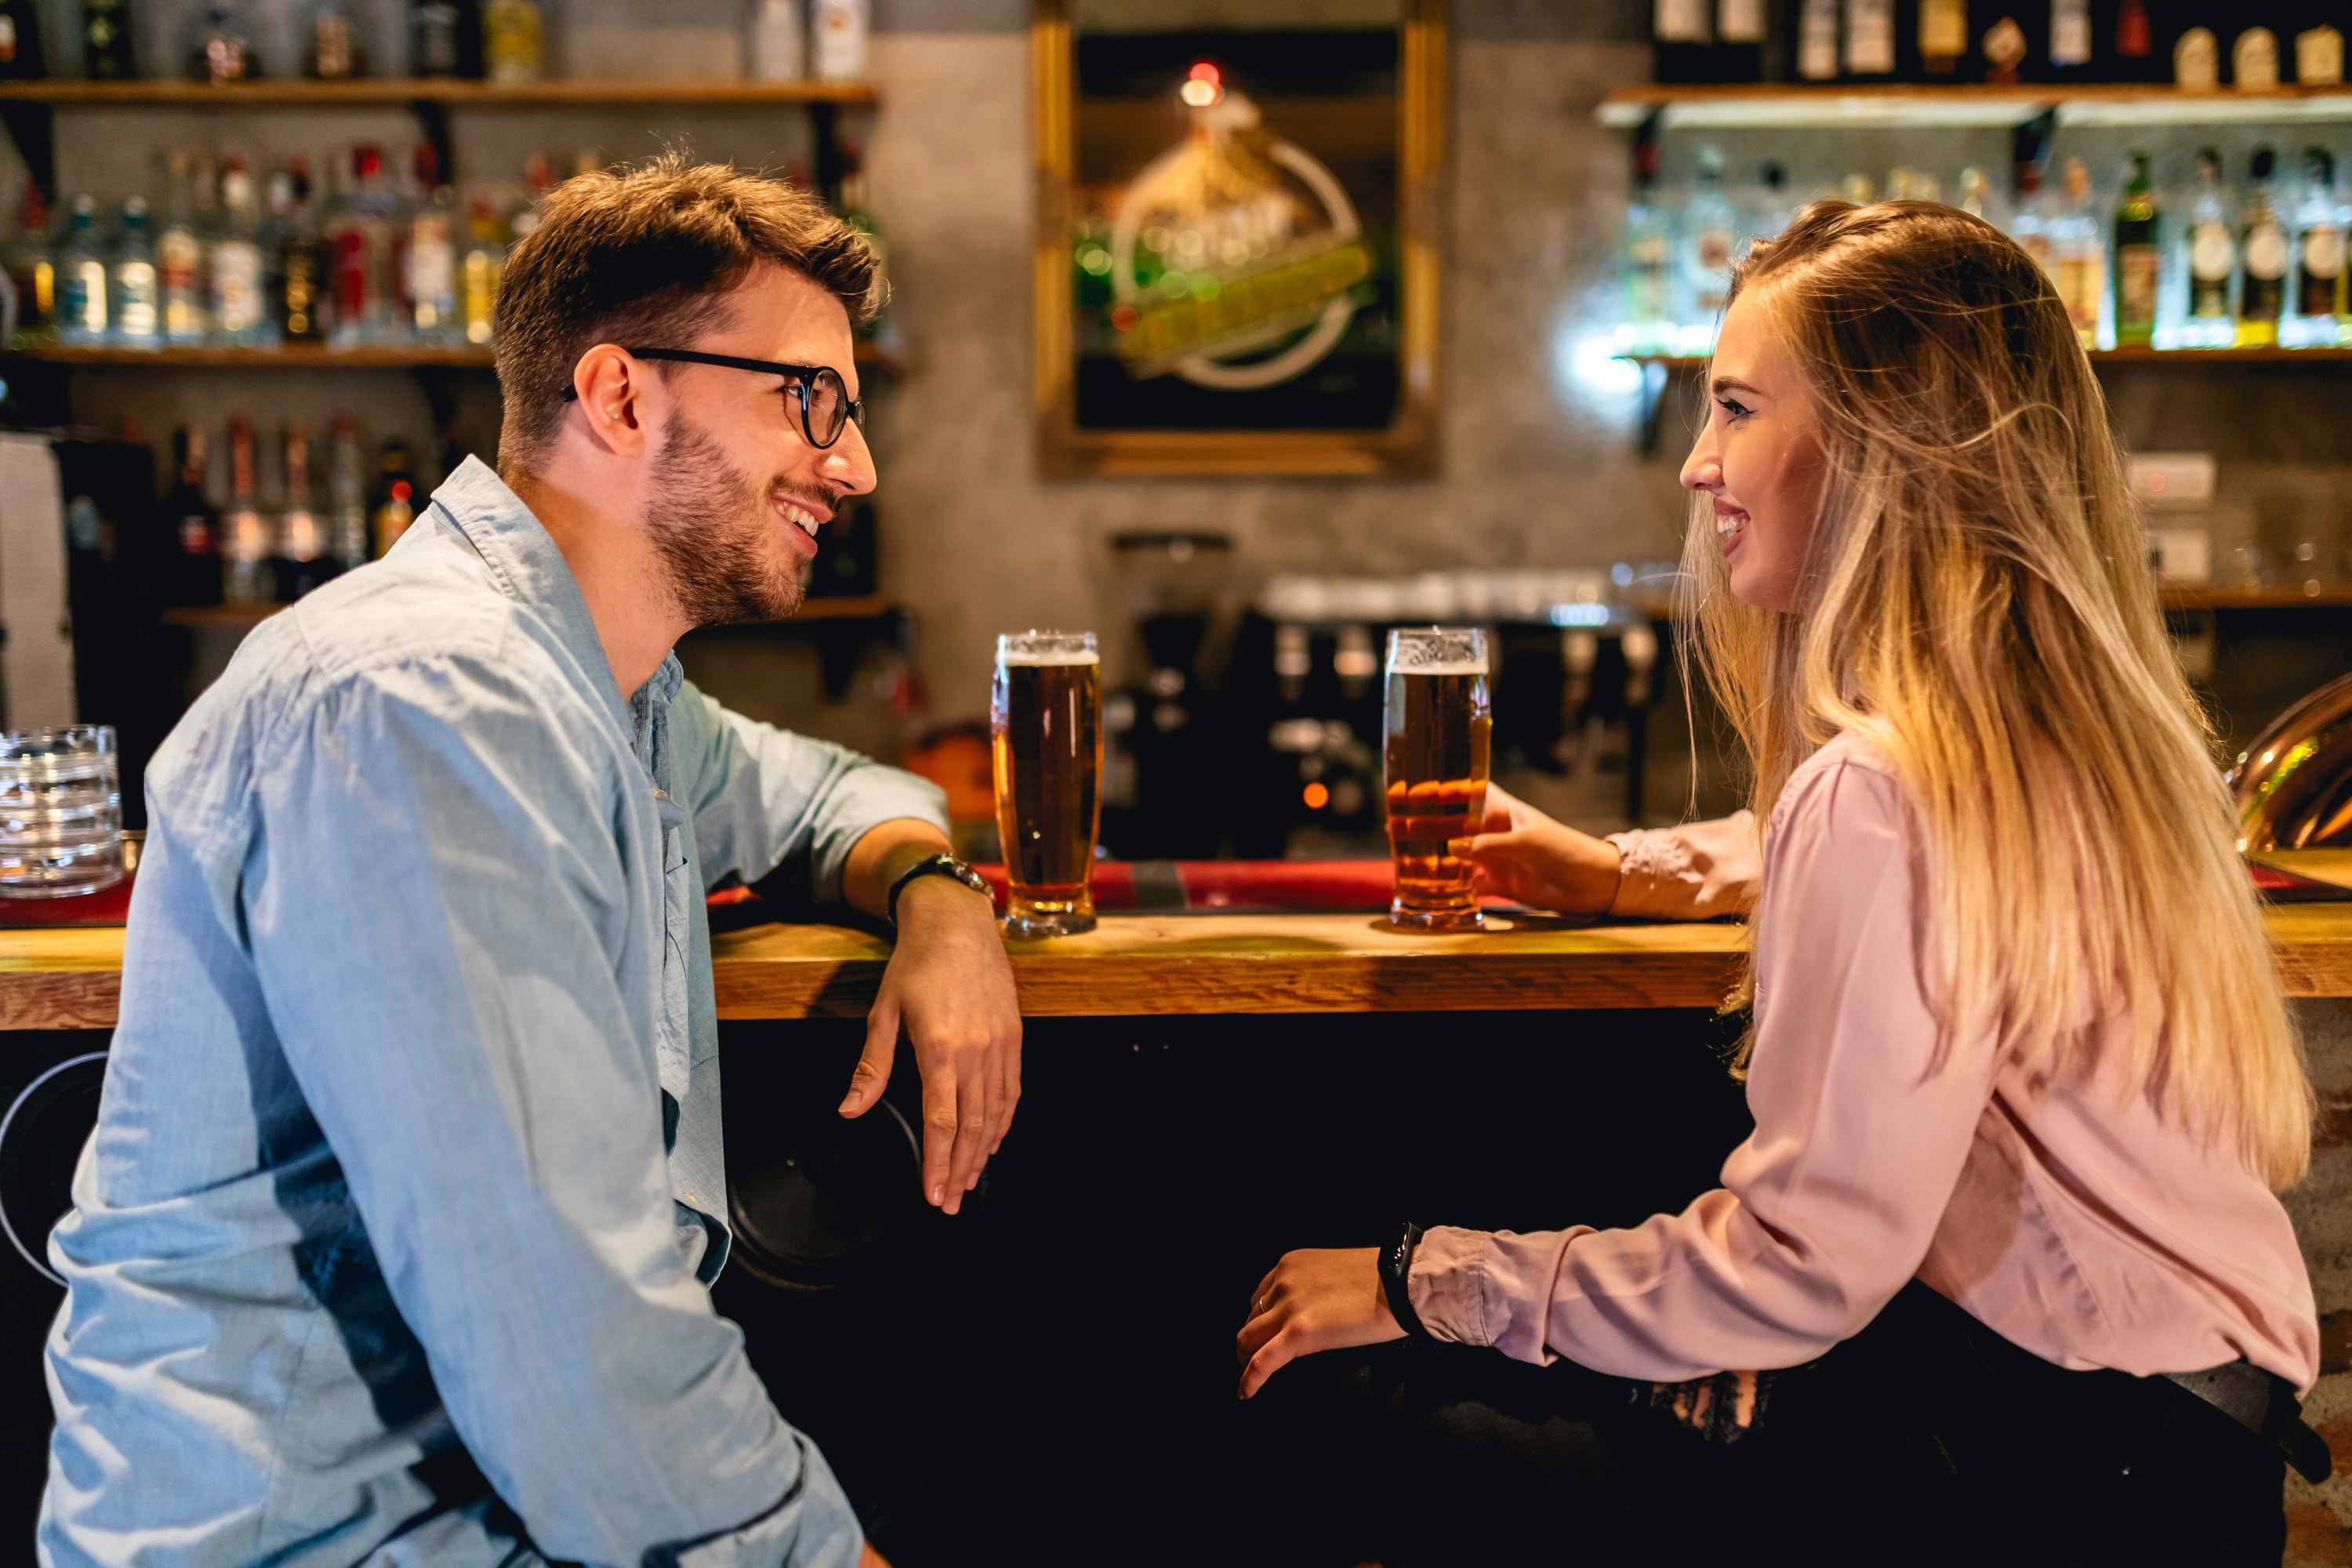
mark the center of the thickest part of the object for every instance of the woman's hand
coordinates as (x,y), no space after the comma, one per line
(1519,853)
(1320,1298)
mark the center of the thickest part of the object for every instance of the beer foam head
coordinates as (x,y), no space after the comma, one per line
(1047,647)
(1437,650)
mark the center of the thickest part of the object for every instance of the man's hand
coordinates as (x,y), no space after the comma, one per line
(1519,853)
(1320,1298)
(949,988)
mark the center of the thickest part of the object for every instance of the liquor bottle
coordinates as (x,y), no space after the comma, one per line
(138,322)
(2072,42)
(223,46)
(82,278)
(179,256)
(838,29)
(194,575)
(1682,39)
(479,272)
(2075,244)
(1867,50)
(1943,38)
(2319,56)
(2254,60)
(334,47)
(240,295)
(395,489)
(347,514)
(20,41)
(33,272)
(779,33)
(1744,40)
(2139,256)
(2262,246)
(512,41)
(1648,264)
(108,53)
(537,179)
(303,559)
(1707,224)
(2133,55)
(445,38)
(2005,49)
(296,303)
(2212,260)
(363,280)
(2321,313)
(1817,40)
(432,274)
(246,577)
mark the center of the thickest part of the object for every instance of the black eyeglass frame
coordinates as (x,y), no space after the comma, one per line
(801,375)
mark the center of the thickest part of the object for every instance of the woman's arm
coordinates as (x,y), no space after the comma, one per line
(1697,871)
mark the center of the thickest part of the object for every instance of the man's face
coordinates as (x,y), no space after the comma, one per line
(738,491)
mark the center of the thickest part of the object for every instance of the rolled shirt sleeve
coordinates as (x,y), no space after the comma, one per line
(1829,1208)
(1694,872)
(496,1126)
(764,799)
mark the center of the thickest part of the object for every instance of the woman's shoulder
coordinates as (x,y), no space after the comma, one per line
(1849,785)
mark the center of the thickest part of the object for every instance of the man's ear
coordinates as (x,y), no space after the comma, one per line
(616,399)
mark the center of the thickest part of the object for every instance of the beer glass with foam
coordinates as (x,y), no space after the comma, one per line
(1436,732)
(1044,721)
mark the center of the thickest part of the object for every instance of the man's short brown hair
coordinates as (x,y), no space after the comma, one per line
(644,256)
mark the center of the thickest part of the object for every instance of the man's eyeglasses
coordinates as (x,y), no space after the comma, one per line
(826,406)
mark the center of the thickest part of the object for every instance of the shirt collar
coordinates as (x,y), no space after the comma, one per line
(532,570)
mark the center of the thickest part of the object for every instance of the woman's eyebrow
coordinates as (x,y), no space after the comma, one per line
(1724,383)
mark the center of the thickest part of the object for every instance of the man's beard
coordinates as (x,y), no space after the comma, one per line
(713,527)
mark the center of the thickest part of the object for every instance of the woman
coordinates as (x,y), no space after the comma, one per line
(2022,1080)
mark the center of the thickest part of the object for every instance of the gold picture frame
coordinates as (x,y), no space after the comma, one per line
(1405,446)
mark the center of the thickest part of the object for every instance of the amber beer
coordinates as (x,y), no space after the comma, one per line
(1437,728)
(1045,723)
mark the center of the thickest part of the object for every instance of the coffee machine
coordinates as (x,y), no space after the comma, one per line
(1163,737)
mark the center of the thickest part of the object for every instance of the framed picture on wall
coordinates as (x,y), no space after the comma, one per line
(1236,255)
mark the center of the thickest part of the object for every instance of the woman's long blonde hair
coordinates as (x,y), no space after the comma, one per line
(1977,605)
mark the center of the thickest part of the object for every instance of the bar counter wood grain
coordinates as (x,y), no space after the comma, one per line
(1194,963)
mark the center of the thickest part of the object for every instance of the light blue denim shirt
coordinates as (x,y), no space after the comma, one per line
(409,1147)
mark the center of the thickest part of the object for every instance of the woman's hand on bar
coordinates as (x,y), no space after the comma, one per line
(1317,1298)
(1519,853)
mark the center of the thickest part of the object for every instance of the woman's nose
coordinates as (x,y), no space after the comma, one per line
(1702,470)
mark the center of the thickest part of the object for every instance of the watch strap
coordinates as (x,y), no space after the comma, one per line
(941,864)
(1396,1276)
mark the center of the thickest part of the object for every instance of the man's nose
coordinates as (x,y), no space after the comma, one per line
(849,462)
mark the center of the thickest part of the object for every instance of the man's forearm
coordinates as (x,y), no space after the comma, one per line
(879,858)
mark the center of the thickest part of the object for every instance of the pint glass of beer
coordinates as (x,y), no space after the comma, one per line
(1437,730)
(1045,724)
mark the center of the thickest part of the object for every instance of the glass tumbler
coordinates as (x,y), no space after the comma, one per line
(1045,723)
(1437,729)
(61,812)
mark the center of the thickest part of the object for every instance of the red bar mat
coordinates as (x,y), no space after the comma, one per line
(108,907)
(2279,886)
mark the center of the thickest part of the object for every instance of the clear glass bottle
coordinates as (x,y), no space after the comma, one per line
(478,273)
(361,239)
(303,559)
(1648,270)
(32,268)
(134,309)
(246,576)
(2322,318)
(223,48)
(432,251)
(1707,227)
(297,306)
(240,298)
(82,278)
(778,35)
(2081,252)
(2210,261)
(2139,258)
(334,43)
(180,256)
(513,42)
(346,513)
(2265,255)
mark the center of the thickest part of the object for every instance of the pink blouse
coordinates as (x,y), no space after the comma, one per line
(2090,1232)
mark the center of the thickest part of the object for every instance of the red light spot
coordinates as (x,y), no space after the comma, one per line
(1123,318)
(1206,72)
(400,490)
(1317,797)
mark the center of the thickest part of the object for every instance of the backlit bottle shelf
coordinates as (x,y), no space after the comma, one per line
(1783,106)
(396,92)
(390,357)
(2182,357)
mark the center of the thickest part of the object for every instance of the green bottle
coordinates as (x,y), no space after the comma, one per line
(2138,258)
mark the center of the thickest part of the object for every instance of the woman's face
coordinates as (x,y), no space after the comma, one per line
(1757,460)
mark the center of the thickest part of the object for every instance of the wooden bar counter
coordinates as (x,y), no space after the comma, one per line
(1142,964)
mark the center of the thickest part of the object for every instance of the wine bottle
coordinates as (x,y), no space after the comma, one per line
(1867,50)
(2211,259)
(2263,245)
(2320,304)
(1681,39)
(107,50)
(20,41)
(2138,258)
(194,523)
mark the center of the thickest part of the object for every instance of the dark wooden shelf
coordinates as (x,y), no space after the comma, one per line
(306,358)
(1764,106)
(394,91)
(244,617)
(2331,596)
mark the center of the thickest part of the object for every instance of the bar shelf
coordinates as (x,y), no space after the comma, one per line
(397,357)
(1782,106)
(399,92)
(2264,354)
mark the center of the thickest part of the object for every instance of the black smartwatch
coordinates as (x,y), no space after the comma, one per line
(1396,1272)
(937,866)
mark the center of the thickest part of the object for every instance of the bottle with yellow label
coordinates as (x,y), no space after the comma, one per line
(513,42)
(478,274)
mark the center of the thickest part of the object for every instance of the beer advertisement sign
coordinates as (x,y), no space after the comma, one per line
(1235,272)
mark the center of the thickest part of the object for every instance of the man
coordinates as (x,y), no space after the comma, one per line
(392,1242)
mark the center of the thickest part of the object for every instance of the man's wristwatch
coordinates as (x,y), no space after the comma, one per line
(1396,1271)
(937,866)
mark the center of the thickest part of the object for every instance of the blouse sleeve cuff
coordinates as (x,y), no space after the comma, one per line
(1697,871)
(1448,1283)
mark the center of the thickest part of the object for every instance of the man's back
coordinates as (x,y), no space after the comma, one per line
(399,948)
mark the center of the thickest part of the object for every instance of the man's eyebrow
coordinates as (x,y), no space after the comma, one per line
(1724,383)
